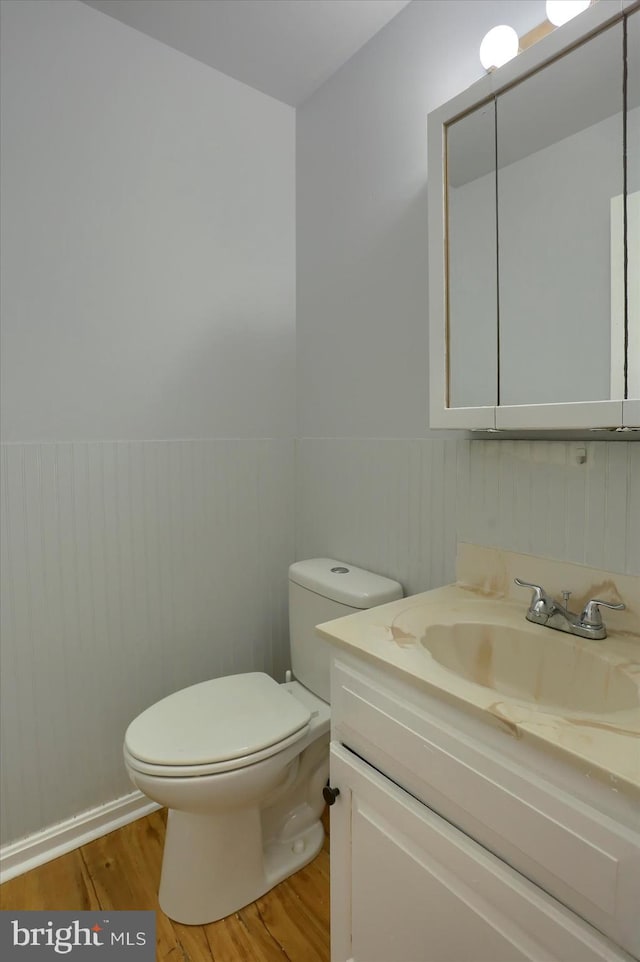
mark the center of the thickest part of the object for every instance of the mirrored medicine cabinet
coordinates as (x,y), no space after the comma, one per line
(534,236)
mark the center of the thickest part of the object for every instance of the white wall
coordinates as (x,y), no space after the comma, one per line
(374,485)
(148,355)
(149,474)
(148,238)
(362,291)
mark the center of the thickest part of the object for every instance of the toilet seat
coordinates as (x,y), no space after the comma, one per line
(215,726)
(212,768)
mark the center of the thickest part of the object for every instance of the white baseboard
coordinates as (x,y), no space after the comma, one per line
(19,857)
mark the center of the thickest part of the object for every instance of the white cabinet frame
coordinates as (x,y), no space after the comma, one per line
(605,414)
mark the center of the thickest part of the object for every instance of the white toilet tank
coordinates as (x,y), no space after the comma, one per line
(319,590)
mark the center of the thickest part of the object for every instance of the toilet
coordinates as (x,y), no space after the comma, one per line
(241,761)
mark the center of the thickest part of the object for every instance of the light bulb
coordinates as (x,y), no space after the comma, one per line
(498,46)
(562,11)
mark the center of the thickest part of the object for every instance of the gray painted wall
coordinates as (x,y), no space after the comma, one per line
(374,485)
(362,288)
(149,238)
(150,474)
(149,293)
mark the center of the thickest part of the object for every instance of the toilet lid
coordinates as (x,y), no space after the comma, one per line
(216,721)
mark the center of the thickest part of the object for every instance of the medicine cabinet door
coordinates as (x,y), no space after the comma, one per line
(472,295)
(560,164)
(630,331)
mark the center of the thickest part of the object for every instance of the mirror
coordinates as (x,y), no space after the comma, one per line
(534,236)
(472,295)
(560,163)
(633,208)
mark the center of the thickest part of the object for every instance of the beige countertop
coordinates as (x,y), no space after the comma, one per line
(572,686)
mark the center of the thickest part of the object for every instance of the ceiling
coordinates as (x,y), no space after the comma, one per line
(285,48)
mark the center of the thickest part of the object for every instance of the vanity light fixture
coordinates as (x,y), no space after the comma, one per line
(560,12)
(502,44)
(499,46)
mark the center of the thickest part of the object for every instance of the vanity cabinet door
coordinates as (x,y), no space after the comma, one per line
(409,887)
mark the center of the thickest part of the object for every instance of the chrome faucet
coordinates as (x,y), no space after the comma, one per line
(543,610)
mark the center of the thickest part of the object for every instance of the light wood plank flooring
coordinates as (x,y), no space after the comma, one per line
(122,870)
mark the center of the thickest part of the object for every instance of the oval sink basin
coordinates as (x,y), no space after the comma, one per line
(549,668)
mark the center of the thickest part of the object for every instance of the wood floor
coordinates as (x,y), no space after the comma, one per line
(122,870)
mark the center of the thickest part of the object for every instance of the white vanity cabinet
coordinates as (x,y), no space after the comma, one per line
(423,808)
(409,887)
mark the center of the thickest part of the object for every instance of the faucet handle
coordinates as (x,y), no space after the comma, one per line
(591,616)
(540,601)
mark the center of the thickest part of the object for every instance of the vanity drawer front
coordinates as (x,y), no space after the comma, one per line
(582,857)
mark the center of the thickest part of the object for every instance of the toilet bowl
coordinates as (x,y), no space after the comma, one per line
(241,761)
(267,800)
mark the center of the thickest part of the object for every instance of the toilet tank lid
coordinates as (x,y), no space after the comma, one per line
(344,583)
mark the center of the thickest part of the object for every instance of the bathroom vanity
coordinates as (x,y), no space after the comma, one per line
(488,774)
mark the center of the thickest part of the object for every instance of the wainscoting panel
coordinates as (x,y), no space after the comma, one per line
(129,570)
(399,507)
(389,506)
(538,498)
(132,569)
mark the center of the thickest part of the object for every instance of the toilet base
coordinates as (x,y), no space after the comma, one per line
(203,881)
(282,859)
